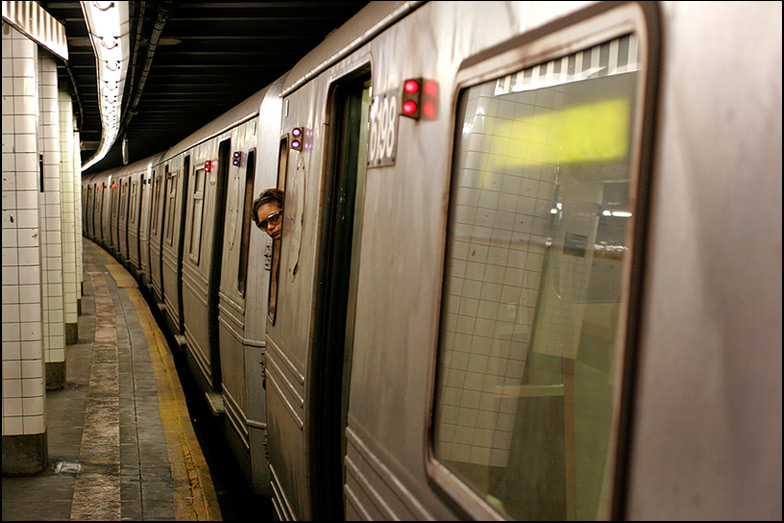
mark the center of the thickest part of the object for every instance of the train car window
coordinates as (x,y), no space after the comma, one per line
(97,208)
(101,199)
(114,234)
(134,198)
(272,298)
(89,200)
(172,197)
(153,210)
(538,249)
(85,196)
(250,173)
(156,202)
(198,209)
(123,199)
(115,201)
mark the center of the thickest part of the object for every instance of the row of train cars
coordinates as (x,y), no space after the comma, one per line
(530,264)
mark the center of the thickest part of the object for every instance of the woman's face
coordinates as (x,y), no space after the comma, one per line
(271,219)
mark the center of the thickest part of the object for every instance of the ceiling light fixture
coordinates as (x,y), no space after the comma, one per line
(107,25)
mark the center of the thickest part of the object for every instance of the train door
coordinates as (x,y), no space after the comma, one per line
(181,238)
(93,210)
(155,238)
(84,210)
(136,212)
(163,206)
(122,223)
(216,259)
(88,221)
(336,296)
(115,220)
(100,211)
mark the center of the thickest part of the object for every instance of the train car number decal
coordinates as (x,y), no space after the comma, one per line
(382,143)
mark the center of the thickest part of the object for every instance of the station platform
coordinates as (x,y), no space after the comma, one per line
(120,442)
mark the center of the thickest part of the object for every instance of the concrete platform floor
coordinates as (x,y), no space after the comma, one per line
(120,442)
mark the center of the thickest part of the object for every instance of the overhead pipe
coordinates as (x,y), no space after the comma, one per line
(164,9)
(107,28)
(142,7)
(76,93)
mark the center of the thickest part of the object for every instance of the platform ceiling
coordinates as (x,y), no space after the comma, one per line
(209,57)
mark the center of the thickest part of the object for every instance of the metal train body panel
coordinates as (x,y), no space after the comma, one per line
(236,370)
(709,364)
(196,262)
(208,173)
(256,290)
(288,338)
(104,211)
(556,294)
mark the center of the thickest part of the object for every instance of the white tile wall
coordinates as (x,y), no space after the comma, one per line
(502,207)
(68,209)
(23,344)
(51,238)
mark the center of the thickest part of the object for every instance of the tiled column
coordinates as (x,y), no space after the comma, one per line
(51,224)
(24,426)
(68,213)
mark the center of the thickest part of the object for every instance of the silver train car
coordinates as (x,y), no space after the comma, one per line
(530,265)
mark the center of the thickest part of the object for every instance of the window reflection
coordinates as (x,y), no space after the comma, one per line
(538,235)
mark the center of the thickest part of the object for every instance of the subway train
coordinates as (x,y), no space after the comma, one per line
(530,265)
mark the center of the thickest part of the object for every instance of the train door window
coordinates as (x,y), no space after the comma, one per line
(85,194)
(539,237)
(123,199)
(115,202)
(134,198)
(272,298)
(89,204)
(171,184)
(153,210)
(156,180)
(250,173)
(127,204)
(139,199)
(97,209)
(100,209)
(198,209)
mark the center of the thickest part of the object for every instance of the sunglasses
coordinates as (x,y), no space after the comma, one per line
(272,219)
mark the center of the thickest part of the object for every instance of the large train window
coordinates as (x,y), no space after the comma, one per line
(134,200)
(101,199)
(89,208)
(171,184)
(198,209)
(537,273)
(272,296)
(115,201)
(156,202)
(250,173)
(123,199)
